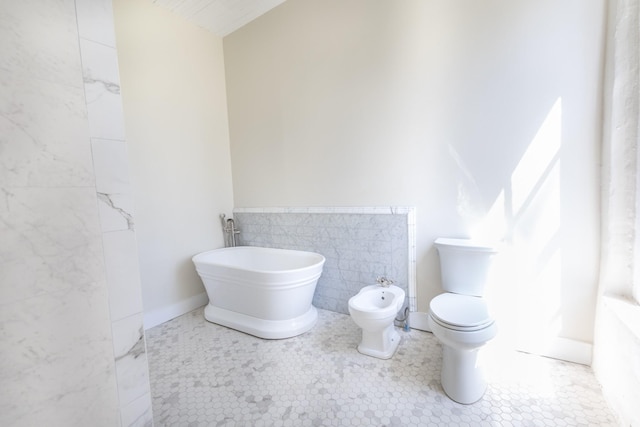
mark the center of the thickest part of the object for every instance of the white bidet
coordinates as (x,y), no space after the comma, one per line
(373,309)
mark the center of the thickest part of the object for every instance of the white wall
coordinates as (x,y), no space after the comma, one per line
(173,88)
(485,115)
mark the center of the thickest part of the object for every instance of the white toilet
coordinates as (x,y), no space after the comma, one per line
(373,309)
(460,319)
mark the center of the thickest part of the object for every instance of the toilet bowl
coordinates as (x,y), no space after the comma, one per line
(463,326)
(373,309)
(460,318)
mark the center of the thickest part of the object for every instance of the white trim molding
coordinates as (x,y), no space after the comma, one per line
(164,314)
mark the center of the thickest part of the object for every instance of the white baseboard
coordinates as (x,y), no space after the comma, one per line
(419,320)
(572,351)
(562,348)
(164,314)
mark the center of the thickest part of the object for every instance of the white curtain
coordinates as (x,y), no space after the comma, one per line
(620,273)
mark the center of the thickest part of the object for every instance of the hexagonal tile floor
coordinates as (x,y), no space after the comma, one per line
(203,374)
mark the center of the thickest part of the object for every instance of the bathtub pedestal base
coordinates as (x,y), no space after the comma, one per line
(268,329)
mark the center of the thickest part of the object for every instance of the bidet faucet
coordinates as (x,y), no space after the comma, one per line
(383,281)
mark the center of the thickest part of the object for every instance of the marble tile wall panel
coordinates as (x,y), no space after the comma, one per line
(57,360)
(102,90)
(129,347)
(123,274)
(40,41)
(50,242)
(110,161)
(358,247)
(115,206)
(115,199)
(132,371)
(43,133)
(58,366)
(57,357)
(95,21)
(115,211)
(63,154)
(138,412)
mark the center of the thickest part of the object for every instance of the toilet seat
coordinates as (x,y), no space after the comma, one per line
(463,313)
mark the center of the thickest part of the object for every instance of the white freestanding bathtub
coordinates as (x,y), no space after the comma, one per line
(264,292)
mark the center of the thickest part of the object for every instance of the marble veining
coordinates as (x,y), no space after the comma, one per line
(43,134)
(115,207)
(50,242)
(58,366)
(112,184)
(111,202)
(131,358)
(73,349)
(102,90)
(40,42)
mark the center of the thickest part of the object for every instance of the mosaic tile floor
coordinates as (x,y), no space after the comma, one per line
(207,375)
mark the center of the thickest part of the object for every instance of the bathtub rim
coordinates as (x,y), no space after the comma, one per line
(198,260)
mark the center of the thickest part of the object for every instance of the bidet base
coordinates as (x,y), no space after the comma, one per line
(380,344)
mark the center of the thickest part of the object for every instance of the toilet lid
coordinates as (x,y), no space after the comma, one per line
(461,311)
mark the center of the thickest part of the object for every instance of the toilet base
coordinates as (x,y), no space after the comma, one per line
(462,377)
(380,343)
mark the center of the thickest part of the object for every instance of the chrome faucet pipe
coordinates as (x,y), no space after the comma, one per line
(228,226)
(383,281)
(231,229)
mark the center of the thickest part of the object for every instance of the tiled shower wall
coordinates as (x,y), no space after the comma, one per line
(73,349)
(115,207)
(359,244)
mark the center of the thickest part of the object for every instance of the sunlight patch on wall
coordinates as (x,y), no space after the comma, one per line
(536,207)
(527,215)
(540,157)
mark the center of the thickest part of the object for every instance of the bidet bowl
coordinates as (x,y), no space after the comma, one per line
(376,302)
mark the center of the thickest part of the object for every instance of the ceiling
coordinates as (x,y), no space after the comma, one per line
(221,17)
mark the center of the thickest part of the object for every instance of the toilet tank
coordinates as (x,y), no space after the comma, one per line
(464,265)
